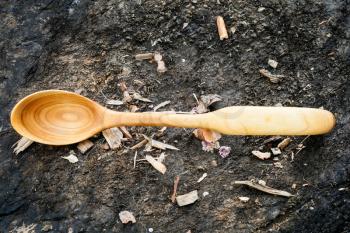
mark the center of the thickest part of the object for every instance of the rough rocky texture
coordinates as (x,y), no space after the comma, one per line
(89,47)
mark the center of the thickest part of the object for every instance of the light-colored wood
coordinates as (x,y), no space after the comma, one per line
(221,28)
(59,118)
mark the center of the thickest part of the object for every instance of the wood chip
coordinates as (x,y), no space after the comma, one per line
(264,188)
(156,164)
(206,135)
(139,145)
(163,104)
(113,137)
(276,151)
(161,65)
(158,144)
(176,183)
(133,108)
(221,28)
(187,199)
(272,63)
(115,102)
(71,157)
(125,132)
(261,155)
(272,77)
(284,143)
(144,56)
(244,199)
(202,177)
(21,145)
(137,96)
(126,216)
(84,146)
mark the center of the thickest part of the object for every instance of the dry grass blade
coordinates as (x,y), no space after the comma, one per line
(21,145)
(139,145)
(156,164)
(264,188)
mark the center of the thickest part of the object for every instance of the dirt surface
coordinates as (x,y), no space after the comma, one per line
(89,47)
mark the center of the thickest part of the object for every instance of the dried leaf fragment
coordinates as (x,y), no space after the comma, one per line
(71,157)
(85,146)
(224,151)
(158,144)
(21,145)
(156,164)
(261,155)
(115,102)
(187,198)
(113,137)
(126,216)
(274,78)
(137,96)
(264,188)
(163,104)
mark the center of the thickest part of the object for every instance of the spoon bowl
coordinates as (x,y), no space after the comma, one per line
(57,117)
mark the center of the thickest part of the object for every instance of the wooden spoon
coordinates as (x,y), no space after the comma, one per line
(57,117)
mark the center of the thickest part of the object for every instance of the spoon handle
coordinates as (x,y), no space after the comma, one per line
(238,120)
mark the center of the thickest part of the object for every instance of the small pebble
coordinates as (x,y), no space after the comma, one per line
(272,63)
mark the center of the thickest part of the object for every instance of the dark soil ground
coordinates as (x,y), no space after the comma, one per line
(90,46)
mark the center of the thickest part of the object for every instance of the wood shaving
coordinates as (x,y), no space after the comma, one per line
(274,78)
(261,155)
(115,102)
(284,143)
(206,135)
(158,144)
(21,145)
(244,199)
(156,164)
(71,157)
(163,104)
(276,151)
(125,132)
(187,199)
(144,56)
(84,146)
(161,65)
(113,137)
(139,145)
(137,96)
(202,177)
(126,216)
(264,188)
(176,183)
(272,63)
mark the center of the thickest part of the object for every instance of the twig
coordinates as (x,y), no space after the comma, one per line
(264,188)
(176,183)
(135,159)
